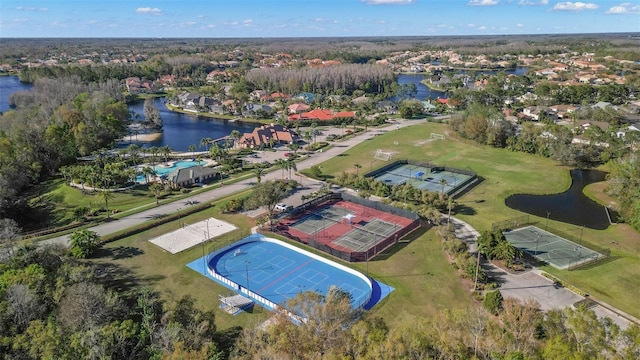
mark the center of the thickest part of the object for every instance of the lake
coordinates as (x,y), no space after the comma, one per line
(9,85)
(179,130)
(571,206)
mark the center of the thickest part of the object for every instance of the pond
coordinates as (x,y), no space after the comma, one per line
(571,206)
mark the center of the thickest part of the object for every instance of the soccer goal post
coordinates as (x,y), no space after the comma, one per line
(435,136)
(382,155)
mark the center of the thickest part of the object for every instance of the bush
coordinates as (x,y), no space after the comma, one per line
(493,302)
(83,243)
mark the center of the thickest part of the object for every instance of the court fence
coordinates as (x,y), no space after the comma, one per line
(356,256)
(525,220)
(425,164)
(513,223)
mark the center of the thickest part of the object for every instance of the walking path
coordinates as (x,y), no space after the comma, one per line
(532,285)
(228,189)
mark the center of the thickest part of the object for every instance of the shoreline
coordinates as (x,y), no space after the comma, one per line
(146,137)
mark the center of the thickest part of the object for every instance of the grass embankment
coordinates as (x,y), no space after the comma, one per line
(506,173)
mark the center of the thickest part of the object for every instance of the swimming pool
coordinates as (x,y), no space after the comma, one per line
(162,170)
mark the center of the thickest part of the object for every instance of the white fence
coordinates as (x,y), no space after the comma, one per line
(267,303)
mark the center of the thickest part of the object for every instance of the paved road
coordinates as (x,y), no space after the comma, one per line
(225,190)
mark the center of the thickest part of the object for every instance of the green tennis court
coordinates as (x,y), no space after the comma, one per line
(555,250)
(361,238)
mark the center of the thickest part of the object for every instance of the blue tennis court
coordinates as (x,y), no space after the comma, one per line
(271,271)
(433,179)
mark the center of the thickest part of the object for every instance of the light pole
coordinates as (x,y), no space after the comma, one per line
(371,165)
(547,224)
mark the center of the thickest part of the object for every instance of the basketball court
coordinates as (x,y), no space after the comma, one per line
(550,248)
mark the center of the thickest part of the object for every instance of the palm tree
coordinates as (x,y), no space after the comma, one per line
(294,147)
(291,165)
(165,151)
(282,164)
(357,166)
(443,183)
(343,126)
(106,195)
(258,171)
(154,151)
(307,136)
(192,148)
(206,142)
(148,172)
(134,151)
(156,189)
(505,251)
(216,152)
(235,135)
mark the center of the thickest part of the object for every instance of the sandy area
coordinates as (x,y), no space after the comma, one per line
(191,235)
(142,137)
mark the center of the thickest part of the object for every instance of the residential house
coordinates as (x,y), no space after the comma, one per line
(137,86)
(307,97)
(258,109)
(562,111)
(387,106)
(262,136)
(193,175)
(297,108)
(535,113)
(323,115)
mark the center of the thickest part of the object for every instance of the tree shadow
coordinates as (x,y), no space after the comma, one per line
(465,210)
(119,252)
(121,279)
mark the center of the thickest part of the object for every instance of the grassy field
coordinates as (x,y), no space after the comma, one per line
(505,173)
(423,287)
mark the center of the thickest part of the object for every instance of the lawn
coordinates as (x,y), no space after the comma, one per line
(151,266)
(423,288)
(505,173)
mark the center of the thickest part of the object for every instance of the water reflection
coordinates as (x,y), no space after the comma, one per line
(571,206)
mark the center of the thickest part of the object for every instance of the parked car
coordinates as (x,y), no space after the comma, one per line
(287,154)
(282,207)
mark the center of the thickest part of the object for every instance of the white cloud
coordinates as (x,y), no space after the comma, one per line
(481,28)
(483,2)
(575,6)
(388,2)
(191,23)
(247,22)
(148,10)
(471,25)
(624,8)
(520,25)
(31,8)
(531,2)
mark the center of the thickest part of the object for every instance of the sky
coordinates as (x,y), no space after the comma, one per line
(311,18)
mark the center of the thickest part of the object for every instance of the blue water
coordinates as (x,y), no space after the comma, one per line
(180,130)
(279,273)
(165,170)
(9,85)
